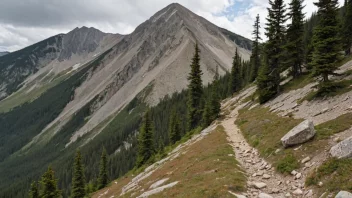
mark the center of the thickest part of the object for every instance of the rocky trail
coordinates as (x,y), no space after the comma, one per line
(263,180)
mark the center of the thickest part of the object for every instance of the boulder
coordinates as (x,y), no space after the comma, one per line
(300,134)
(342,149)
(344,194)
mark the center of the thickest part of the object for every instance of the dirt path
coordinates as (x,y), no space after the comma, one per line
(262,177)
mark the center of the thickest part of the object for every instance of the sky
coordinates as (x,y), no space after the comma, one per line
(25,22)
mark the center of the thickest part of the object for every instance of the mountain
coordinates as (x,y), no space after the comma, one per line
(51,56)
(85,89)
(4,53)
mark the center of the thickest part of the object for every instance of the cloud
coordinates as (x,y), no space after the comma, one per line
(24,22)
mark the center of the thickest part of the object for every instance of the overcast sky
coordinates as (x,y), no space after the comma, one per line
(24,22)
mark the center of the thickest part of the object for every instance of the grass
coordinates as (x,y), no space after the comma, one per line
(337,125)
(287,163)
(335,175)
(204,169)
(297,83)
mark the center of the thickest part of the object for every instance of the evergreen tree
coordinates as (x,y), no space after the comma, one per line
(34,192)
(49,185)
(145,141)
(235,79)
(326,39)
(206,120)
(174,128)
(103,170)
(255,57)
(78,179)
(295,33)
(269,82)
(195,91)
(215,106)
(347,27)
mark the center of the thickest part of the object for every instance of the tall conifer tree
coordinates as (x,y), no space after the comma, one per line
(235,79)
(326,40)
(255,57)
(78,179)
(295,34)
(103,170)
(347,27)
(34,191)
(49,185)
(195,91)
(174,128)
(269,82)
(145,141)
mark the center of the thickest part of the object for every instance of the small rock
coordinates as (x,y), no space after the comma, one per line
(307,159)
(344,194)
(323,195)
(287,195)
(337,139)
(254,175)
(230,155)
(307,165)
(288,182)
(260,173)
(297,192)
(263,195)
(275,190)
(259,185)
(294,187)
(279,183)
(320,184)
(298,175)
(277,151)
(309,193)
(294,172)
(266,176)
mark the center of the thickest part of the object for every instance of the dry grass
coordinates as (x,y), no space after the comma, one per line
(204,169)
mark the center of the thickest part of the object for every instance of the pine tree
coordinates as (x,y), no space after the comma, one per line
(206,120)
(215,106)
(195,91)
(174,128)
(269,82)
(34,192)
(78,180)
(347,27)
(326,40)
(145,141)
(103,170)
(49,185)
(255,57)
(295,33)
(235,79)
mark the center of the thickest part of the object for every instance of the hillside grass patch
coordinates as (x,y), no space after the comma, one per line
(331,127)
(335,175)
(297,83)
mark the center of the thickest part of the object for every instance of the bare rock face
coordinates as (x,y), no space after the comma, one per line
(342,149)
(300,134)
(344,194)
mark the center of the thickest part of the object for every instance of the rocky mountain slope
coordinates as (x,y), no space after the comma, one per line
(52,56)
(79,90)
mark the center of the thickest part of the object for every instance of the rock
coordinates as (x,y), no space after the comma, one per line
(320,184)
(287,195)
(260,173)
(259,185)
(344,194)
(298,175)
(349,108)
(230,155)
(294,172)
(254,175)
(309,193)
(263,195)
(307,159)
(297,192)
(307,165)
(300,134)
(275,190)
(342,149)
(322,195)
(277,151)
(266,176)
(337,139)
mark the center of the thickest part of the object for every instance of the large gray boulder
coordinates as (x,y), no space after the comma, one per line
(342,149)
(300,134)
(344,194)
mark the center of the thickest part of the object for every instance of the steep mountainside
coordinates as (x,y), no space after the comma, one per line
(86,89)
(51,56)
